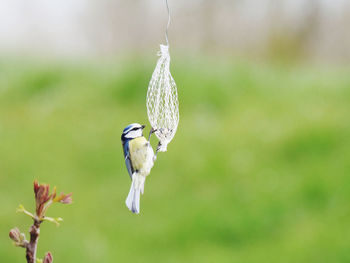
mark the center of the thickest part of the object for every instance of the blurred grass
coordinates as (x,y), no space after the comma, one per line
(258,171)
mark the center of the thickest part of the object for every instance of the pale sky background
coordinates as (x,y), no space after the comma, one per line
(103,27)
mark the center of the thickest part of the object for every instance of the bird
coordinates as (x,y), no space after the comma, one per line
(139,160)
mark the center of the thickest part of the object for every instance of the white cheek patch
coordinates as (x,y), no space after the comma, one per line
(134,134)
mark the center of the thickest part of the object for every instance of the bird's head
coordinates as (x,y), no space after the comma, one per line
(132,131)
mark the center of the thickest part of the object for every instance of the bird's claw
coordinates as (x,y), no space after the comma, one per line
(150,133)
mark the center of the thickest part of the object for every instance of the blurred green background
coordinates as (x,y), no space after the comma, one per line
(258,170)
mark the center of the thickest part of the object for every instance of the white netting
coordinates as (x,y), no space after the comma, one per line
(162,101)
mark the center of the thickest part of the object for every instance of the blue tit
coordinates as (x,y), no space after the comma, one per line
(139,160)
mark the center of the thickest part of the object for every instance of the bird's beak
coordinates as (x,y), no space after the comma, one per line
(143,126)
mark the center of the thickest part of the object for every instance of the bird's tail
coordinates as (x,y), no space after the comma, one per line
(136,189)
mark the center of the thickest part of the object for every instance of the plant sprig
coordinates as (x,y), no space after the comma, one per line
(43,200)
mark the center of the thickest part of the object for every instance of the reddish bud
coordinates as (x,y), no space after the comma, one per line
(44,199)
(64,198)
(15,235)
(42,195)
(36,187)
(48,258)
(67,199)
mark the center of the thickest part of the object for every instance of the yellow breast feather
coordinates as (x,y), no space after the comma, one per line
(138,152)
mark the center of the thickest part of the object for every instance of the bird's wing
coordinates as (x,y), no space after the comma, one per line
(127,158)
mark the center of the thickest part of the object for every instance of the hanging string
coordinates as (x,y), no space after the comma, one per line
(167,27)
